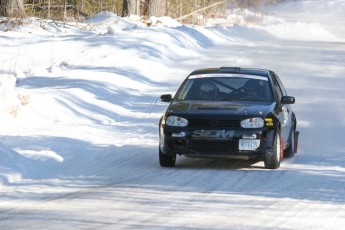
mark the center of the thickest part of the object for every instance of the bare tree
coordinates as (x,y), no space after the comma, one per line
(12,8)
(130,7)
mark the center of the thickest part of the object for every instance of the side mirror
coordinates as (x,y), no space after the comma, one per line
(166,98)
(287,100)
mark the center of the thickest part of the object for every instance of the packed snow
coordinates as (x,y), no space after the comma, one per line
(79,112)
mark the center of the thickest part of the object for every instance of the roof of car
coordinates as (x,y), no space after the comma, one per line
(238,70)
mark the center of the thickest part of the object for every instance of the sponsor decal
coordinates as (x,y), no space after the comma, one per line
(213,134)
(228,75)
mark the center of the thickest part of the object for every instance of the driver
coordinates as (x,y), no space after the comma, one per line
(208,91)
(251,89)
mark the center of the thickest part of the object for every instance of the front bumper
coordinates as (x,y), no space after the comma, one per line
(237,143)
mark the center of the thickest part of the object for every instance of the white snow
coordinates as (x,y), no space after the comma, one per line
(79,112)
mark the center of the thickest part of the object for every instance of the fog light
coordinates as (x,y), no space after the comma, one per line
(180,134)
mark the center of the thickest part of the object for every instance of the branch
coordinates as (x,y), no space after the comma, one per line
(190,14)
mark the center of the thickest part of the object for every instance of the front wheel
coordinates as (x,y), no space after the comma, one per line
(167,160)
(272,160)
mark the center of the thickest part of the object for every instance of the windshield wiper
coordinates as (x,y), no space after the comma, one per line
(224,99)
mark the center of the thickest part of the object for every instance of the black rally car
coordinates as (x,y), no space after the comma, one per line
(229,112)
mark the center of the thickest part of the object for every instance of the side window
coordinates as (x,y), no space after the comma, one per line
(277,87)
(280,85)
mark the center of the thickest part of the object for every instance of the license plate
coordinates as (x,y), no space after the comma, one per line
(248,144)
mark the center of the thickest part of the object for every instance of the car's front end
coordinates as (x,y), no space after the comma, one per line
(217,130)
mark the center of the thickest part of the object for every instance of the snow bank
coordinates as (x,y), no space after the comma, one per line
(300,31)
(11,99)
(309,20)
(13,165)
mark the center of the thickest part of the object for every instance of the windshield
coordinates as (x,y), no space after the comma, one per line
(227,87)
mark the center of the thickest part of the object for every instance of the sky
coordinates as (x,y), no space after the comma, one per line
(79,112)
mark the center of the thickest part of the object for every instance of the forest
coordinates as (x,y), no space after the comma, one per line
(185,11)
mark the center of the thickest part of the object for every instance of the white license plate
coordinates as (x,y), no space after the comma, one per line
(248,144)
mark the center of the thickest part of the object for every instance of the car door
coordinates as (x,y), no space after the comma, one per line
(284,111)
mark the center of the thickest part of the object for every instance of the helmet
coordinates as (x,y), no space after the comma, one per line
(208,91)
(251,86)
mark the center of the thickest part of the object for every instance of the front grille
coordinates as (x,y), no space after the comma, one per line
(213,146)
(213,123)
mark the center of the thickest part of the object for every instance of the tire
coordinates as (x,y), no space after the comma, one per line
(290,151)
(272,160)
(167,160)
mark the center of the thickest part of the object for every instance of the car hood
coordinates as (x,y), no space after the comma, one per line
(220,107)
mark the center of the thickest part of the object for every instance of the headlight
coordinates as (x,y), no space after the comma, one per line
(176,121)
(255,122)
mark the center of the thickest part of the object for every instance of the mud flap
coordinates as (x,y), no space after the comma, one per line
(296,141)
(281,148)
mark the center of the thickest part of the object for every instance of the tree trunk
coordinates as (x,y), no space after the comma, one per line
(130,7)
(48,13)
(157,8)
(12,8)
